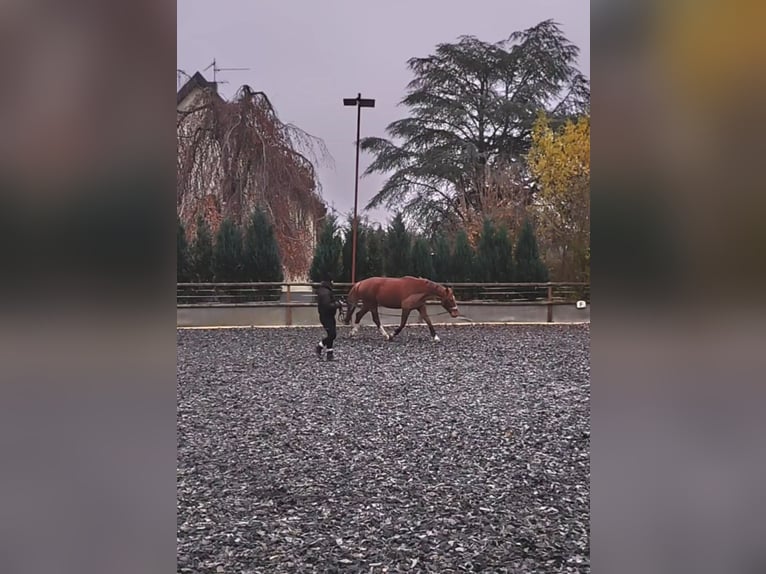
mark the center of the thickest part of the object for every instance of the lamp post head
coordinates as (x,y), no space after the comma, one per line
(359,101)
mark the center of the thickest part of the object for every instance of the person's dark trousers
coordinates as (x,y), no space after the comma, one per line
(328,322)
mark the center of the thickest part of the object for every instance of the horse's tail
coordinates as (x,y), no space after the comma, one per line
(351,300)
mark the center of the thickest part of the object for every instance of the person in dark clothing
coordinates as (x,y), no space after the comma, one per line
(328,306)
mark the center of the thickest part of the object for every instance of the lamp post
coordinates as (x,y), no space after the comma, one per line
(360,103)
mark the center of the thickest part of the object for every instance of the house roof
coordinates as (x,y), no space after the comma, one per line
(196,81)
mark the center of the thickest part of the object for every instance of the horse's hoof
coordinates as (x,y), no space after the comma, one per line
(436,338)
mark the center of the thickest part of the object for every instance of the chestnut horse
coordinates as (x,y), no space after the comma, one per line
(405,293)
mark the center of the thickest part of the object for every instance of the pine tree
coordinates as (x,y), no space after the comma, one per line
(227,253)
(463,260)
(375,239)
(494,254)
(182,254)
(422,264)
(262,260)
(361,250)
(476,91)
(485,253)
(396,261)
(442,259)
(529,266)
(327,255)
(202,253)
(506,270)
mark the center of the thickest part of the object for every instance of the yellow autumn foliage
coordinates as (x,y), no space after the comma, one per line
(559,160)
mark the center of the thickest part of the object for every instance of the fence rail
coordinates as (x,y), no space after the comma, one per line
(289,295)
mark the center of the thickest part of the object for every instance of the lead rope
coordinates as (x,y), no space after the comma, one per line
(399,315)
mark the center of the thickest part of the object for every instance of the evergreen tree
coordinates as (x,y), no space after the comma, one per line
(182,254)
(471,104)
(494,254)
(529,266)
(262,261)
(227,253)
(327,255)
(375,239)
(361,250)
(463,260)
(202,253)
(506,270)
(422,264)
(442,259)
(485,259)
(396,260)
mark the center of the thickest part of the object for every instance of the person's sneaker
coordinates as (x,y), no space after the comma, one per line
(330,355)
(319,349)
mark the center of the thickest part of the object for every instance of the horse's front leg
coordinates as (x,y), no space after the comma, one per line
(376,318)
(405,316)
(350,306)
(427,319)
(361,313)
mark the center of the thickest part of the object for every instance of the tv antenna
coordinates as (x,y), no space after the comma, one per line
(180,74)
(216,69)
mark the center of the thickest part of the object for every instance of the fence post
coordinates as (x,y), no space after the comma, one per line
(288,309)
(550,303)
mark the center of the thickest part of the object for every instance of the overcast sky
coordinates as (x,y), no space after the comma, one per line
(307,56)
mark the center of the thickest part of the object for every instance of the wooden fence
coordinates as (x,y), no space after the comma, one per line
(291,295)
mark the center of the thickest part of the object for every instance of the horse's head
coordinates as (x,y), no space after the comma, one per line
(348,313)
(449,303)
(351,300)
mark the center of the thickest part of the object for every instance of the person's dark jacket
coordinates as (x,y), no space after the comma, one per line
(327,304)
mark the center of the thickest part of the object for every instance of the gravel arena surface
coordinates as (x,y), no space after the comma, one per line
(465,455)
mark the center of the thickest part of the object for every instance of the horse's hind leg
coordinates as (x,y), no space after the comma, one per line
(376,318)
(359,314)
(427,319)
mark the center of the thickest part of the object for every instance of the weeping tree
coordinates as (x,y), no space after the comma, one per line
(472,107)
(235,155)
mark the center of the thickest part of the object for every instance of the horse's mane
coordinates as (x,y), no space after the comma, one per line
(435,287)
